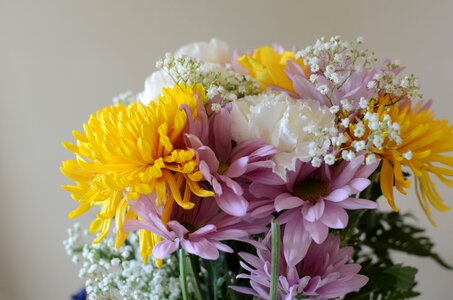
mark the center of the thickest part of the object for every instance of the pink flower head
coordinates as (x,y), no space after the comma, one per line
(199,231)
(323,273)
(353,87)
(314,200)
(225,166)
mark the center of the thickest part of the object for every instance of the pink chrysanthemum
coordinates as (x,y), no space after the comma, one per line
(225,166)
(322,274)
(314,200)
(199,231)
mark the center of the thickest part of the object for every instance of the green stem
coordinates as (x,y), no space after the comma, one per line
(213,280)
(275,227)
(183,273)
(195,279)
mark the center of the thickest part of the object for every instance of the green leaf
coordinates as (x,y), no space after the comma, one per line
(395,282)
(404,276)
(392,231)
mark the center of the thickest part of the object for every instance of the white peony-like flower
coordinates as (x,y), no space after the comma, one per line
(215,52)
(154,85)
(291,125)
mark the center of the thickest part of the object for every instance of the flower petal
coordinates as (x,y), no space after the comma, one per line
(201,247)
(338,195)
(359,184)
(317,230)
(313,212)
(287,201)
(357,203)
(238,167)
(164,248)
(232,203)
(177,228)
(221,134)
(334,216)
(296,240)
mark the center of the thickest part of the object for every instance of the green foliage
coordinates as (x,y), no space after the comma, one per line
(386,282)
(393,231)
(374,236)
(215,277)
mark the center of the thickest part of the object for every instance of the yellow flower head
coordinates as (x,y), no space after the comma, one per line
(425,144)
(268,66)
(126,151)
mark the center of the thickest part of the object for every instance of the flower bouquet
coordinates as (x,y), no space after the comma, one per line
(256,175)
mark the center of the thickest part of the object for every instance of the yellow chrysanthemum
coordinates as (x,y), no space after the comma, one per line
(268,66)
(425,143)
(131,150)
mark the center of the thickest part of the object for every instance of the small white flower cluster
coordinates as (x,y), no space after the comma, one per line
(387,80)
(320,147)
(369,132)
(217,79)
(109,272)
(335,60)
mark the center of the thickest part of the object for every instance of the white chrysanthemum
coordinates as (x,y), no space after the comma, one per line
(154,85)
(215,51)
(288,124)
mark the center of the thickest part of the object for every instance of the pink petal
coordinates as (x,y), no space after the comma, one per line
(244,290)
(335,217)
(339,288)
(366,170)
(286,201)
(306,90)
(232,204)
(216,186)
(229,234)
(265,151)
(222,247)
(222,134)
(205,170)
(357,203)
(313,212)
(345,172)
(265,191)
(252,260)
(201,247)
(206,154)
(296,241)
(203,230)
(359,184)
(262,211)
(165,248)
(177,228)
(193,141)
(338,195)
(238,167)
(232,184)
(317,230)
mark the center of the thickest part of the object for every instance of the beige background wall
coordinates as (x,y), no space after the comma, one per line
(62,60)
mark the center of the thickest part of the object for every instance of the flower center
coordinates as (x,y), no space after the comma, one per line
(311,189)
(223,168)
(188,226)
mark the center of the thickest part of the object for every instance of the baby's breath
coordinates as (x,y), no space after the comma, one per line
(109,273)
(219,81)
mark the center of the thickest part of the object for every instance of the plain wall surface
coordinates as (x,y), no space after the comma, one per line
(60,61)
